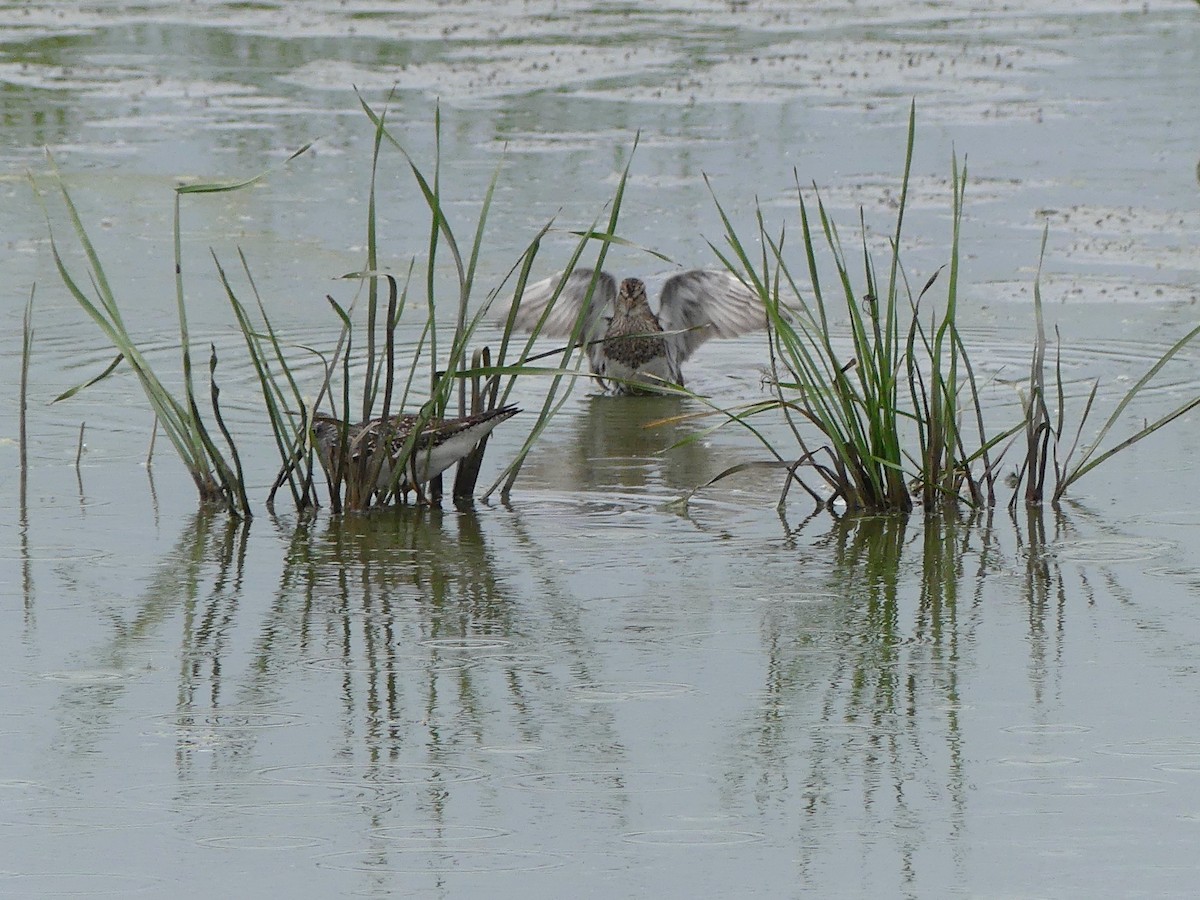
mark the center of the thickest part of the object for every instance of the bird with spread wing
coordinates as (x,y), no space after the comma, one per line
(631,348)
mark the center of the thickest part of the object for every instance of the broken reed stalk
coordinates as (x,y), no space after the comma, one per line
(153,437)
(26,353)
(468,470)
(239,484)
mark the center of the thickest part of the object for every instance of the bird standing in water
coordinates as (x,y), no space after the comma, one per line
(633,349)
(345,450)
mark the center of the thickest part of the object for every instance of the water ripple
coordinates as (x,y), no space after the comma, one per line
(1100,787)
(75,884)
(1182,768)
(622,691)
(1049,728)
(397,663)
(437,833)
(433,861)
(605,782)
(466,644)
(803,597)
(52,553)
(376,775)
(69,819)
(224,719)
(1153,747)
(86,676)
(1038,760)
(1109,550)
(259,842)
(512,749)
(235,797)
(689,837)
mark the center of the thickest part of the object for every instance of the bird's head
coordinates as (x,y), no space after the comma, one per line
(632,297)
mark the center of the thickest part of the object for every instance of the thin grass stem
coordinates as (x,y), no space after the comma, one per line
(23,398)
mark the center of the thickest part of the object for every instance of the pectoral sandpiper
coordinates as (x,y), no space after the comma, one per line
(349,450)
(631,348)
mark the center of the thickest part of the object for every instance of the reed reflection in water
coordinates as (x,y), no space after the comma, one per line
(420,697)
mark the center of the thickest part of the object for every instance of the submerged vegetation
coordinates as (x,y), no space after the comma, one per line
(873,380)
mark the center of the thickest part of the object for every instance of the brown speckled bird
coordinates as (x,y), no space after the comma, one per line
(441,443)
(627,346)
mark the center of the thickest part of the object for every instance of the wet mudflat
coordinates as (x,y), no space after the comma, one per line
(586,692)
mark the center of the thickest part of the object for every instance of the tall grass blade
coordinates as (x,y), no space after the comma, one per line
(23,398)
(287,436)
(1089,460)
(751,465)
(369,385)
(238,484)
(175,418)
(108,370)
(850,389)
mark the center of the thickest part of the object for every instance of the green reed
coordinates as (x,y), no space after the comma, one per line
(217,478)
(887,410)
(1049,465)
(23,393)
(445,375)
(462,379)
(896,418)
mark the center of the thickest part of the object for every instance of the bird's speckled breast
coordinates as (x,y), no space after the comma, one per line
(639,348)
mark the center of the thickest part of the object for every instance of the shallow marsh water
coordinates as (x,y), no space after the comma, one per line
(585,692)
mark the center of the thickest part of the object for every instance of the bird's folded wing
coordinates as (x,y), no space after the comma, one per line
(707,303)
(566,304)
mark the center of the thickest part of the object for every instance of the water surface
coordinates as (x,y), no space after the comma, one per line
(586,691)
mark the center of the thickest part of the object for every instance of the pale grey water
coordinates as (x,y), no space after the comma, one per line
(584,693)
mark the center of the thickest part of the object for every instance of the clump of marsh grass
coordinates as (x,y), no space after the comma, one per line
(396,403)
(888,410)
(897,414)
(1047,466)
(462,381)
(217,473)
(382,421)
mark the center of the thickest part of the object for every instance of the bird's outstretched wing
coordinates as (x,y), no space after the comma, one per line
(710,302)
(560,321)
